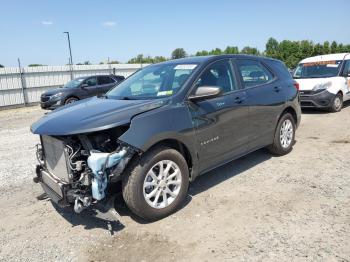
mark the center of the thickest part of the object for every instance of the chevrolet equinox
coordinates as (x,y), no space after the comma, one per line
(162,127)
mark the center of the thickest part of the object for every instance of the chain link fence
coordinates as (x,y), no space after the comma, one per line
(24,85)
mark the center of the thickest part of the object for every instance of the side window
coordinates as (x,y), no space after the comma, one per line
(346,67)
(253,73)
(105,80)
(91,81)
(218,74)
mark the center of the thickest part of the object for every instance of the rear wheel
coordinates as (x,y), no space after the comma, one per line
(155,185)
(70,100)
(337,103)
(284,136)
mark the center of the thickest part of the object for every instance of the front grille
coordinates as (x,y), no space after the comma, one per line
(55,157)
(45,98)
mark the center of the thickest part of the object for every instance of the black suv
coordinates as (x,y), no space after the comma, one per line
(77,89)
(162,127)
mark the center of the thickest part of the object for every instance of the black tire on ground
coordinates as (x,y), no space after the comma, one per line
(276,148)
(134,177)
(70,100)
(337,103)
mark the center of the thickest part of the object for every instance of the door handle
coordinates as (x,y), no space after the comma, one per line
(277,89)
(239,99)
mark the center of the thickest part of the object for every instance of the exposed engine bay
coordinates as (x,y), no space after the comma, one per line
(77,169)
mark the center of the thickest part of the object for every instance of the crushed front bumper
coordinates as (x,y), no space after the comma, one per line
(316,99)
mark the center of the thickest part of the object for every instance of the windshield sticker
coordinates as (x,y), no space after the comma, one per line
(318,63)
(332,65)
(185,67)
(165,93)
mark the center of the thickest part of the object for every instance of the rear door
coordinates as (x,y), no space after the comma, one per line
(220,122)
(265,98)
(105,83)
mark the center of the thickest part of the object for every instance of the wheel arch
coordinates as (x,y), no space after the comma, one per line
(178,146)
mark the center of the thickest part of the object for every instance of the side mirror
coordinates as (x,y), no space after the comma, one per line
(84,85)
(205,92)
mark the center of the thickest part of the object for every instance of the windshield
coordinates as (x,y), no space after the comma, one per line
(318,69)
(153,82)
(74,83)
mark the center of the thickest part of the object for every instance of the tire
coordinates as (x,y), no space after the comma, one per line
(70,100)
(337,103)
(138,173)
(279,147)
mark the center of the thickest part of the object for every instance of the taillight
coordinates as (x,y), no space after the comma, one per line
(296,84)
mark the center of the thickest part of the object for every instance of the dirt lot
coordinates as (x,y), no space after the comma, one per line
(259,207)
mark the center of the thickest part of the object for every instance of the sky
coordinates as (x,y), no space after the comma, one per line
(33,30)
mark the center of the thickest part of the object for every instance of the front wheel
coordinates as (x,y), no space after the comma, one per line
(70,100)
(284,136)
(155,185)
(337,103)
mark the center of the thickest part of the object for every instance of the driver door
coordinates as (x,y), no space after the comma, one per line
(90,87)
(220,123)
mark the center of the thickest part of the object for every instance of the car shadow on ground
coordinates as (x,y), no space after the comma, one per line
(96,218)
(207,180)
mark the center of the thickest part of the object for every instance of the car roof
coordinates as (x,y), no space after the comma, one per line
(210,58)
(339,56)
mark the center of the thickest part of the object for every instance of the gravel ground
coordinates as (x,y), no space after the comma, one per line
(291,208)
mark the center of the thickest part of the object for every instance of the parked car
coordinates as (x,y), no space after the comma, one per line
(77,89)
(162,127)
(324,81)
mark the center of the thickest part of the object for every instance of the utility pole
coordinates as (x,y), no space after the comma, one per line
(70,55)
(22,82)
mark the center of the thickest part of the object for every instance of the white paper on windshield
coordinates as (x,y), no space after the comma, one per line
(165,93)
(185,67)
(332,65)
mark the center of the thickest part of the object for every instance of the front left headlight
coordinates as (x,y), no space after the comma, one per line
(322,86)
(56,96)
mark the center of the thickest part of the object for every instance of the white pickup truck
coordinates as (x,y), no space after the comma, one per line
(324,81)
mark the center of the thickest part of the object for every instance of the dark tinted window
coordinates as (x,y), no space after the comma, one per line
(91,81)
(104,80)
(346,67)
(253,73)
(218,74)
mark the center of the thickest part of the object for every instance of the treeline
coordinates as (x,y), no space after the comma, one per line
(290,52)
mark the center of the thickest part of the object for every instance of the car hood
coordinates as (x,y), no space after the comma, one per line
(92,115)
(310,83)
(55,91)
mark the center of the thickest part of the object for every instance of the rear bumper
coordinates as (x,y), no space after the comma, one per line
(314,99)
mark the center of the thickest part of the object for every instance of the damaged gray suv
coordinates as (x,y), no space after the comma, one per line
(162,127)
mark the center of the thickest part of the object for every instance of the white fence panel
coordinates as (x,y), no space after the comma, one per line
(36,80)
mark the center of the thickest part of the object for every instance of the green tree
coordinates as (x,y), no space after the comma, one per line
(216,51)
(318,50)
(250,50)
(1,66)
(334,47)
(34,65)
(340,48)
(202,53)
(306,49)
(178,53)
(158,59)
(326,48)
(231,50)
(272,48)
